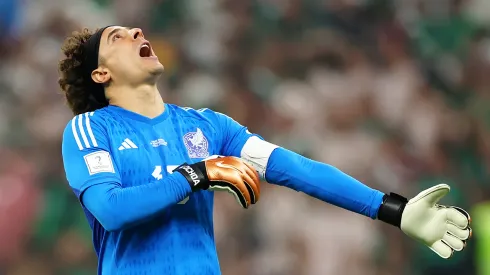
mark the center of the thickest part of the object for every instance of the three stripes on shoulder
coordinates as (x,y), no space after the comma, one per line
(81,124)
(84,136)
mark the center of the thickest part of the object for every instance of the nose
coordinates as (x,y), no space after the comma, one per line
(137,32)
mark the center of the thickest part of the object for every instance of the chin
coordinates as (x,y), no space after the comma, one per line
(156,70)
(156,66)
(159,69)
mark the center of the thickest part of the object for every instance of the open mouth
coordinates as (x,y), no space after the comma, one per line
(145,50)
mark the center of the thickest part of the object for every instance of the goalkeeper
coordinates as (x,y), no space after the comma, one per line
(143,169)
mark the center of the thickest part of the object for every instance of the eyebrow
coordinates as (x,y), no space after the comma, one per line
(114,31)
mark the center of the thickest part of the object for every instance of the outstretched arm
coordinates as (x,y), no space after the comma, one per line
(443,229)
(322,181)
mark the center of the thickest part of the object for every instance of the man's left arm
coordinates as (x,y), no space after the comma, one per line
(283,167)
(443,229)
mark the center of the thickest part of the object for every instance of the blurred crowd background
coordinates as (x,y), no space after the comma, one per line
(394,92)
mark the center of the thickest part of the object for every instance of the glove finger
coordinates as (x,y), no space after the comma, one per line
(250,178)
(432,195)
(442,249)
(244,167)
(453,242)
(255,181)
(240,197)
(462,234)
(252,172)
(458,217)
(233,183)
(240,192)
(252,188)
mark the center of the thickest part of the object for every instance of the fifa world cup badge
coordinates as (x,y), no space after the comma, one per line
(196,144)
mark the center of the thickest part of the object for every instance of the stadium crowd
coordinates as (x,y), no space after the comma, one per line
(395,93)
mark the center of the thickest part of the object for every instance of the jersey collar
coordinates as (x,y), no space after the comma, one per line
(135,116)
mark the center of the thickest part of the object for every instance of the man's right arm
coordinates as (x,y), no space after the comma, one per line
(118,208)
(96,181)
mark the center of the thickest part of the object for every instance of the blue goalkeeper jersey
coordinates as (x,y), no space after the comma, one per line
(116,145)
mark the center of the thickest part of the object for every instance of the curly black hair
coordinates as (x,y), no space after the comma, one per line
(78,88)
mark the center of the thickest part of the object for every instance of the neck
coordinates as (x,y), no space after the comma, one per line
(144,100)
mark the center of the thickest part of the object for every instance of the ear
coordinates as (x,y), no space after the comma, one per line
(101,75)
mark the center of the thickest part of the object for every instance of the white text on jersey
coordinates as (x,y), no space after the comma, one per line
(158,142)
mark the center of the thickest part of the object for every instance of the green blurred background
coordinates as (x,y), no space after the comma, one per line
(396,93)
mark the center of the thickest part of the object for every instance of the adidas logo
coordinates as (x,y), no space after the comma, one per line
(127,144)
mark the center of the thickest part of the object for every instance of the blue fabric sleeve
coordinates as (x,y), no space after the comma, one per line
(119,208)
(323,182)
(94,177)
(292,170)
(233,135)
(86,153)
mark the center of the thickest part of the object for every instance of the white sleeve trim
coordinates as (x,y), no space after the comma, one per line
(257,153)
(79,127)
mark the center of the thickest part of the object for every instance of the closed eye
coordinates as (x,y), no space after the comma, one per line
(116,37)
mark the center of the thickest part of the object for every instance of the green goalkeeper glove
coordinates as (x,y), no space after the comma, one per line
(444,229)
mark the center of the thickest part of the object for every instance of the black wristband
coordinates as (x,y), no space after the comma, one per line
(391,209)
(195,174)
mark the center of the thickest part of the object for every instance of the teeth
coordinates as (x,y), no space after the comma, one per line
(145,46)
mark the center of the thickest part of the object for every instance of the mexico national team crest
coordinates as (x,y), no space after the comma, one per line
(196,144)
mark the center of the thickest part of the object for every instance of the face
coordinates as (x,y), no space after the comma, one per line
(127,58)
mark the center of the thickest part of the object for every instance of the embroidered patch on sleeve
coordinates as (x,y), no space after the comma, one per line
(99,162)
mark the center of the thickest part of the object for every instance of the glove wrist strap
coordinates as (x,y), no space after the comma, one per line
(195,174)
(391,209)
